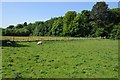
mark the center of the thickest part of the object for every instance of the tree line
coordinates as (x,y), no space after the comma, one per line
(99,22)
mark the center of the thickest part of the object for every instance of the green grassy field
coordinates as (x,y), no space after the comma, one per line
(61,59)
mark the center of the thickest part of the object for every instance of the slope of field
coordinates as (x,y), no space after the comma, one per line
(61,59)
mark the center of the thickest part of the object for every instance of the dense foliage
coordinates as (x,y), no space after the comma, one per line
(99,22)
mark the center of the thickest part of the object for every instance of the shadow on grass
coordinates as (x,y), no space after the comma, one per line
(13,44)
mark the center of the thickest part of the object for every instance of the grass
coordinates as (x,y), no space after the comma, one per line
(61,59)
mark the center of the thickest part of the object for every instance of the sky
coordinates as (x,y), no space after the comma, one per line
(14,13)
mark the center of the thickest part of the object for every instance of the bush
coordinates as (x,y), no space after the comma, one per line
(115,34)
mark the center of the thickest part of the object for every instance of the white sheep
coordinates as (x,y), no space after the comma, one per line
(39,43)
(9,43)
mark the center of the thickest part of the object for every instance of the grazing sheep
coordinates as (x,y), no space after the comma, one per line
(9,43)
(39,43)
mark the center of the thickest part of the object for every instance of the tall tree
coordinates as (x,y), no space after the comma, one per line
(100,15)
(38,26)
(25,24)
(68,18)
(30,27)
(19,26)
(85,17)
(10,26)
(100,11)
(48,26)
(115,33)
(75,24)
(57,27)
(114,15)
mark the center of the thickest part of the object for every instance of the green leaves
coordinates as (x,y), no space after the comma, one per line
(99,22)
(115,34)
(57,27)
(68,18)
(100,11)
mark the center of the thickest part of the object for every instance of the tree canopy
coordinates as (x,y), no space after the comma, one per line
(99,22)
